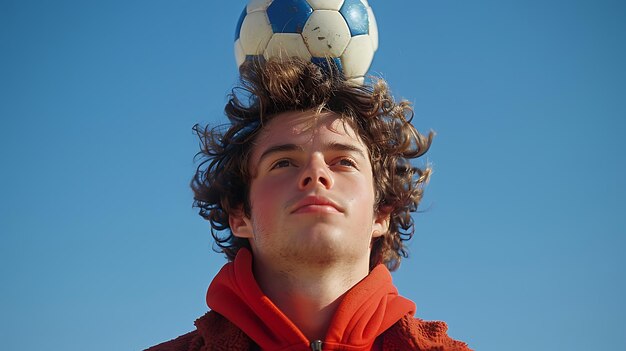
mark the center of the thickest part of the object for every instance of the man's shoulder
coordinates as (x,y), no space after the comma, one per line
(213,331)
(416,334)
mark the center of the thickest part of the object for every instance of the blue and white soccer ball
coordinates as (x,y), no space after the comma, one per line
(343,30)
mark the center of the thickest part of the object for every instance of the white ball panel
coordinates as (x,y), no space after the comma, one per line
(365,3)
(255,33)
(325,4)
(240,56)
(258,5)
(326,33)
(358,56)
(357,80)
(373,28)
(287,45)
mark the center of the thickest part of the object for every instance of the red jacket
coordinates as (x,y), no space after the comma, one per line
(216,333)
(371,316)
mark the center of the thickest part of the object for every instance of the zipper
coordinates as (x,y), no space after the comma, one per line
(316,345)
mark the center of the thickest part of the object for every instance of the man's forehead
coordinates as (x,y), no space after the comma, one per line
(306,124)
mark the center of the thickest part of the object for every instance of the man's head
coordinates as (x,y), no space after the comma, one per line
(327,123)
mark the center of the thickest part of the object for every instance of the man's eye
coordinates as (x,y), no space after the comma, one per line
(281,164)
(347,162)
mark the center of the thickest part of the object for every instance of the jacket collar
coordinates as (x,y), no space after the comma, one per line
(366,311)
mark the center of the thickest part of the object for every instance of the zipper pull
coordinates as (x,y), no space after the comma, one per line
(316,345)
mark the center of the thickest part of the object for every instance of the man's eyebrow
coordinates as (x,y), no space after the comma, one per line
(346,147)
(279,148)
(330,147)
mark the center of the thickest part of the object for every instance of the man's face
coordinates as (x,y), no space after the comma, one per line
(311,193)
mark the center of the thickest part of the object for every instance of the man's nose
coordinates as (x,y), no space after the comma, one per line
(316,173)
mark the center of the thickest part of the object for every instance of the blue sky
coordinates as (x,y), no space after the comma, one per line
(521,241)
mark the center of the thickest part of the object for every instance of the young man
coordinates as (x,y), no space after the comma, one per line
(309,194)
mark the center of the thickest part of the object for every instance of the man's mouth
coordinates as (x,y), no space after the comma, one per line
(316,204)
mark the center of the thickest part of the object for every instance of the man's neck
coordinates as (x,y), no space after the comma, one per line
(309,297)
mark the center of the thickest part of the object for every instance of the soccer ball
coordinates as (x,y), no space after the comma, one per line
(343,30)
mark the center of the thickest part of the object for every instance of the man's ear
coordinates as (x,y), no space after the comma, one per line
(382,218)
(240,224)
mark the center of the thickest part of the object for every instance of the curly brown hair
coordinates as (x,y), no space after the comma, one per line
(267,88)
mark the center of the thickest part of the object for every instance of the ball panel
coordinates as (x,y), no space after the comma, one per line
(357,57)
(256,59)
(258,5)
(357,80)
(240,56)
(288,16)
(239,23)
(287,45)
(355,14)
(329,65)
(255,33)
(373,28)
(326,4)
(326,33)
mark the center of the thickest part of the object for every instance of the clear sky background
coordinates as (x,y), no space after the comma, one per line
(521,243)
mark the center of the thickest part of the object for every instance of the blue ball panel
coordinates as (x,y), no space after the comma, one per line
(239,23)
(328,65)
(289,16)
(355,14)
(255,58)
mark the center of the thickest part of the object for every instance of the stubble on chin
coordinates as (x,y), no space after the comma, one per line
(323,253)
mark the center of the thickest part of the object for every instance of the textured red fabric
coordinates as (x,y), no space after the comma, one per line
(366,311)
(216,333)
(415,334)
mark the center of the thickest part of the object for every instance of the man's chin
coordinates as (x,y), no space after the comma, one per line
(324,249)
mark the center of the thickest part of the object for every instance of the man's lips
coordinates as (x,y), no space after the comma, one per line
(316,204)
